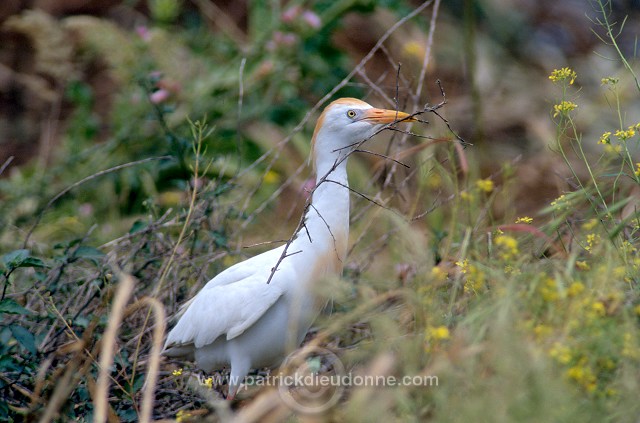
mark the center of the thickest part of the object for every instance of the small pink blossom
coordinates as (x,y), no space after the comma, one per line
(312,19)
(143,32)
(85,209)
(159,96)
(291,14)
(286,39)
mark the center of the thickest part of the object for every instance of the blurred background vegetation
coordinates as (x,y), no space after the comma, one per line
(97,159)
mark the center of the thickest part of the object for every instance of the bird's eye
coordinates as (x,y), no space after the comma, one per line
(351,114)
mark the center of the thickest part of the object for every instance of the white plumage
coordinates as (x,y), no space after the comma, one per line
(239,320)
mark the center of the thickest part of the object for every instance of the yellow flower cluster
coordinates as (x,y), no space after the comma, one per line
(208,382)
(507,246)
(474,277)
(561,353)
(563,74)
(177,372)
(609,80)
(560,203)
(582,374)
(524,219)
(438,333)
(485,185)
(549,290)
(624,135)
(563,108)
(575,289)
(592,240)
(438,274)
(598,308)
(183,415)
(463,265)
(605,138)
(637,171)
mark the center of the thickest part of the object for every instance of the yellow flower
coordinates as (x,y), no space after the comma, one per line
(637,171)
(508,247)
(271,177)
(619,272)
(575,289)
(463,265)
(582,374)
(510,270)
(475,280)
(560,203)
(413,48)
(609,80)
(636,310)
(485,185)
(177,372)
(605,138)
(466,196)
(183,415)
(563,108)
(438,274)
(438,333)
(524,219)
(625,134)
(592,240)
(598,308)
(561,353)
(542,330)
(561,74)
(582,265)
(434,181)
(208,382)
(549,290)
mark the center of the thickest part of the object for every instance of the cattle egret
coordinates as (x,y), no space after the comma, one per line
(240,320)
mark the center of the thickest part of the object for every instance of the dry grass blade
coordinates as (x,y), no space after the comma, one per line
(159,329)
(123,293)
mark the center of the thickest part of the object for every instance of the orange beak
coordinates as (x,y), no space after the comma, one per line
(383,116)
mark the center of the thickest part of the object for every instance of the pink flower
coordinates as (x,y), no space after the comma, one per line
(143,32)
(312,19)
(290,14)
(286,39)
(85,209)
(159,96)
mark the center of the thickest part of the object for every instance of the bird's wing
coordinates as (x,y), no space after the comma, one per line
(246,268)
(238,272)
(227,309)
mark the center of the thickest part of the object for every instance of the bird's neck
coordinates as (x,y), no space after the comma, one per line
(327,219)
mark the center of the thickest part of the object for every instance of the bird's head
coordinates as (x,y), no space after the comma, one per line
(345,123)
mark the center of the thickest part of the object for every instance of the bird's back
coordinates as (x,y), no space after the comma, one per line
(238,314)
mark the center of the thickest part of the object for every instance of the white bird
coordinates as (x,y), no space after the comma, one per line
(240,320)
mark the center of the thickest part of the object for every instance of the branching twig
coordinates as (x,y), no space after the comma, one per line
(82,181)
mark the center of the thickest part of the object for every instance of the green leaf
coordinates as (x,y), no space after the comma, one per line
(138,225)
(13,259)
(32,262)
(9,306)
(21,258)
(24,337)
(88,253)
